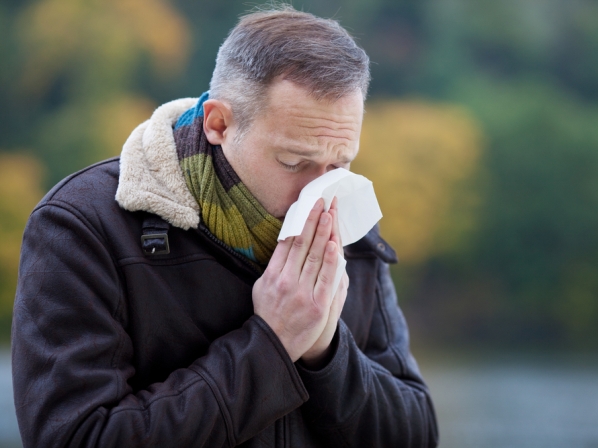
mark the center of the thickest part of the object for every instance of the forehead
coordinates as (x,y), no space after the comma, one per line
(292,114)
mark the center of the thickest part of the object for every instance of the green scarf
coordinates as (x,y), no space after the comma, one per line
(227,207)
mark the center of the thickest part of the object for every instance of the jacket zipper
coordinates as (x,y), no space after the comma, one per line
(229,250)
(246,262)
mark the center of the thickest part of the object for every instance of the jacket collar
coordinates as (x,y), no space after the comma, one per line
(150,177)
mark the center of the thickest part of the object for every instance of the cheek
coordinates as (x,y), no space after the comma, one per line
(286,189)
(296,183)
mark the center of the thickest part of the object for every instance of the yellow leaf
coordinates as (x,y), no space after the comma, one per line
(107,37)
(417,154)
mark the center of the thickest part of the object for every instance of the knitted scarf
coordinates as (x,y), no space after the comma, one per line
(227,207)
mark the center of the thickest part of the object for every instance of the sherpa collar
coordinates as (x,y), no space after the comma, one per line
(150,178)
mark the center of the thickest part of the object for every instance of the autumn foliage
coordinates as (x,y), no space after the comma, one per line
(480,137)
(417,155)
(21,179)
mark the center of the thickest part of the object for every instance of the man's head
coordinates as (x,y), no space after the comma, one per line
(286,102)
(314,53)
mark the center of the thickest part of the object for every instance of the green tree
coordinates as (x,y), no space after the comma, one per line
(21,178)
(80,59)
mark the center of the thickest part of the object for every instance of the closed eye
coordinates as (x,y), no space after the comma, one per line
(292,168)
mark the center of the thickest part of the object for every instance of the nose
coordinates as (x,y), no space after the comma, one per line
(325,168)
(320,170)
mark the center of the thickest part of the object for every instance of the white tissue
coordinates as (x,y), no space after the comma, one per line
(358,209)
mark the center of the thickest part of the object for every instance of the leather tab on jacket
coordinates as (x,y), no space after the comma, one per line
(375,243)
(381,247)
(154,238)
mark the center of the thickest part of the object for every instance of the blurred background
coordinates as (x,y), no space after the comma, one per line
(481,138)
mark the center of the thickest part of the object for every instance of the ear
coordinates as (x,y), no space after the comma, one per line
(217,121)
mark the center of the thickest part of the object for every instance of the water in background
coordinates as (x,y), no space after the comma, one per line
(515,402)
(9,432)
(499,403)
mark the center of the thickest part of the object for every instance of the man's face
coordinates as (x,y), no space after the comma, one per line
(293,141)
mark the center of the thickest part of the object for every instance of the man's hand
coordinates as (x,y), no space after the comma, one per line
(317,355)
(294,296)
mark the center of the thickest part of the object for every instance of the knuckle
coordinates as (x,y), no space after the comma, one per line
(316,313)
(302,298)
(330,258)
(324,278)
(284,284)
(309,268)
(299,242)
(323,230)
(313,257)
(268,278)
(313,215)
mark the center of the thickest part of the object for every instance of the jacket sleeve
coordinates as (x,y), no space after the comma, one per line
(376,397)
(72,357)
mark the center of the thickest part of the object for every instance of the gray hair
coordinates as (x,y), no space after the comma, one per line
(317,54)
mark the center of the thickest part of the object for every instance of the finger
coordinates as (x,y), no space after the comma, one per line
(334,203)
(280,255)
(338,302)
(336,234)
(301,243)
(341,295)
(323,293)
(315,256)
(336,308)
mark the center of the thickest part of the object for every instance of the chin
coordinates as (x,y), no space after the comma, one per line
(282,215)
(281,212)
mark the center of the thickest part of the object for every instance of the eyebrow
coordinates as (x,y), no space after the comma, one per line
(313,153)
(306,152)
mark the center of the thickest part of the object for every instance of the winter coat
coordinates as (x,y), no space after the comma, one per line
(115,343)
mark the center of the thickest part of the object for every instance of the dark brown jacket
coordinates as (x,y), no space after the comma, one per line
(112,347)
(115,347)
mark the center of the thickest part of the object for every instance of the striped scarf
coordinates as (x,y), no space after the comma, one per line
(227,207)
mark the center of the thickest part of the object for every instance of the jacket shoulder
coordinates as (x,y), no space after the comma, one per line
(88,187)
(89,196)
(373,244)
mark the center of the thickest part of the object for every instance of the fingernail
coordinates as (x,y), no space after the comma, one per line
(330,248)
(318,204)
(324,218)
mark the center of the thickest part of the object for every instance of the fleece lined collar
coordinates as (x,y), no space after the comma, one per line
(150,178)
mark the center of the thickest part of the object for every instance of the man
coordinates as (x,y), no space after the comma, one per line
(171,316)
